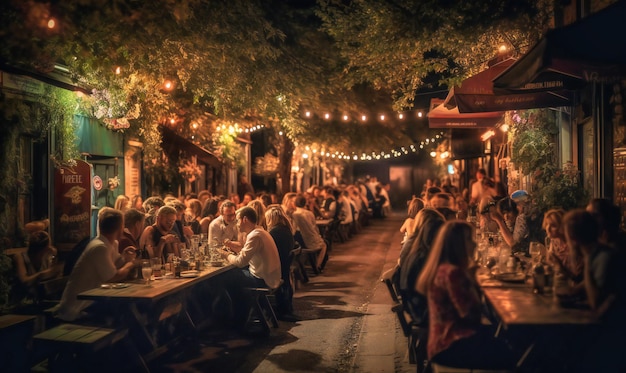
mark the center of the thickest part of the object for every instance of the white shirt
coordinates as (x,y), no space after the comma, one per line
(346,208)
(477,191)
(95,266)
(261,255)
(218,230)
(304,220)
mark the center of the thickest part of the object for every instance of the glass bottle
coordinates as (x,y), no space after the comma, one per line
(539,278)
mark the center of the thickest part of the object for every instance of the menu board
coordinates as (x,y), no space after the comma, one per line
(72,203)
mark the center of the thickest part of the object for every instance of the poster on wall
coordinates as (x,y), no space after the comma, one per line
(72,203)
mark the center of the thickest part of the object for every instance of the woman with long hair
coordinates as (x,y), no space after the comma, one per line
(559,253)
(427,224)
(193,214)
(456,336)
(259,207)
(408,227)
(279,227)
(136,202)
(122,203)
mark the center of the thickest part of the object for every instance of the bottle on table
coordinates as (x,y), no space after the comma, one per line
(539,278)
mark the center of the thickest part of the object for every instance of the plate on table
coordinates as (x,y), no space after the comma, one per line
(189,274)
(511,277)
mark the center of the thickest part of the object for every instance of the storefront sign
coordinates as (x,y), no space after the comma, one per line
(72,203)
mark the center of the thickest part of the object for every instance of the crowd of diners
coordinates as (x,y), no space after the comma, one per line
(436,275)
(254,232)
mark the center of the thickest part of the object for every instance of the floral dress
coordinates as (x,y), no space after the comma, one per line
(454,308)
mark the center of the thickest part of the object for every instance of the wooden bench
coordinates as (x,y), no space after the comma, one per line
(72,347)
(16,332)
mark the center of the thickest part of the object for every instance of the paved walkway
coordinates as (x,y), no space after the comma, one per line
(382,346)
(347,324)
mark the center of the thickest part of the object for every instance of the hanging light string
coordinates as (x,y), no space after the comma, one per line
(382,116)
(311,151)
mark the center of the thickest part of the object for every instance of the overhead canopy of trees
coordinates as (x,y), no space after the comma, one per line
(264,60)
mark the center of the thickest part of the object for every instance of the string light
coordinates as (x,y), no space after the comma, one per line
(118,70)
(52,23)
(168,85)
(395,153)
(419,113)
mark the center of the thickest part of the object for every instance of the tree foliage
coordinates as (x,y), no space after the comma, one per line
(264,59)
(400,45)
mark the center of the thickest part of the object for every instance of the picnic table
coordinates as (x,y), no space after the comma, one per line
(143,309)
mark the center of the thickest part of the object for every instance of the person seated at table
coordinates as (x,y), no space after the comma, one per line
(259,208)
(304,221)
(328,207)
(514,210)
(289,205)
(224,227)
(181,229)
(279,227)
(456,336)
(559,253)
(32,266)
(247,197)
(158,240)
(443,202)
(193,215)
(258,259)
(100,262)
(427,224)
(133,228)
(609,218)
(605,288)
(151,206)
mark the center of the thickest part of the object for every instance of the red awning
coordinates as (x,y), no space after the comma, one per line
(476,94)
(442,117)
(589,50)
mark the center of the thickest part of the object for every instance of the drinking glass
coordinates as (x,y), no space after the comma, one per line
(146,271)
(156,267)
(534,250)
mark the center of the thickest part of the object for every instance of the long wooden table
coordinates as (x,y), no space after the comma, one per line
(158,289)
(517,306)
(143,309)
(535,323)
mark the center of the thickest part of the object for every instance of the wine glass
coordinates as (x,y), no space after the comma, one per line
(146,270)
(534,250)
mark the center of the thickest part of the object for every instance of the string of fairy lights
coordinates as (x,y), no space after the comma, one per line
(311,151)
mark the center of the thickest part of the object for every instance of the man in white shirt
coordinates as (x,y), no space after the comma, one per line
(259,252)
(477,187)
(304,220)
(99,263)
(224,227)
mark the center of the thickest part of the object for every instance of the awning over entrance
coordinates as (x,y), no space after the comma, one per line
(590,50)
(172,141)
(441,117)
(475,94)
